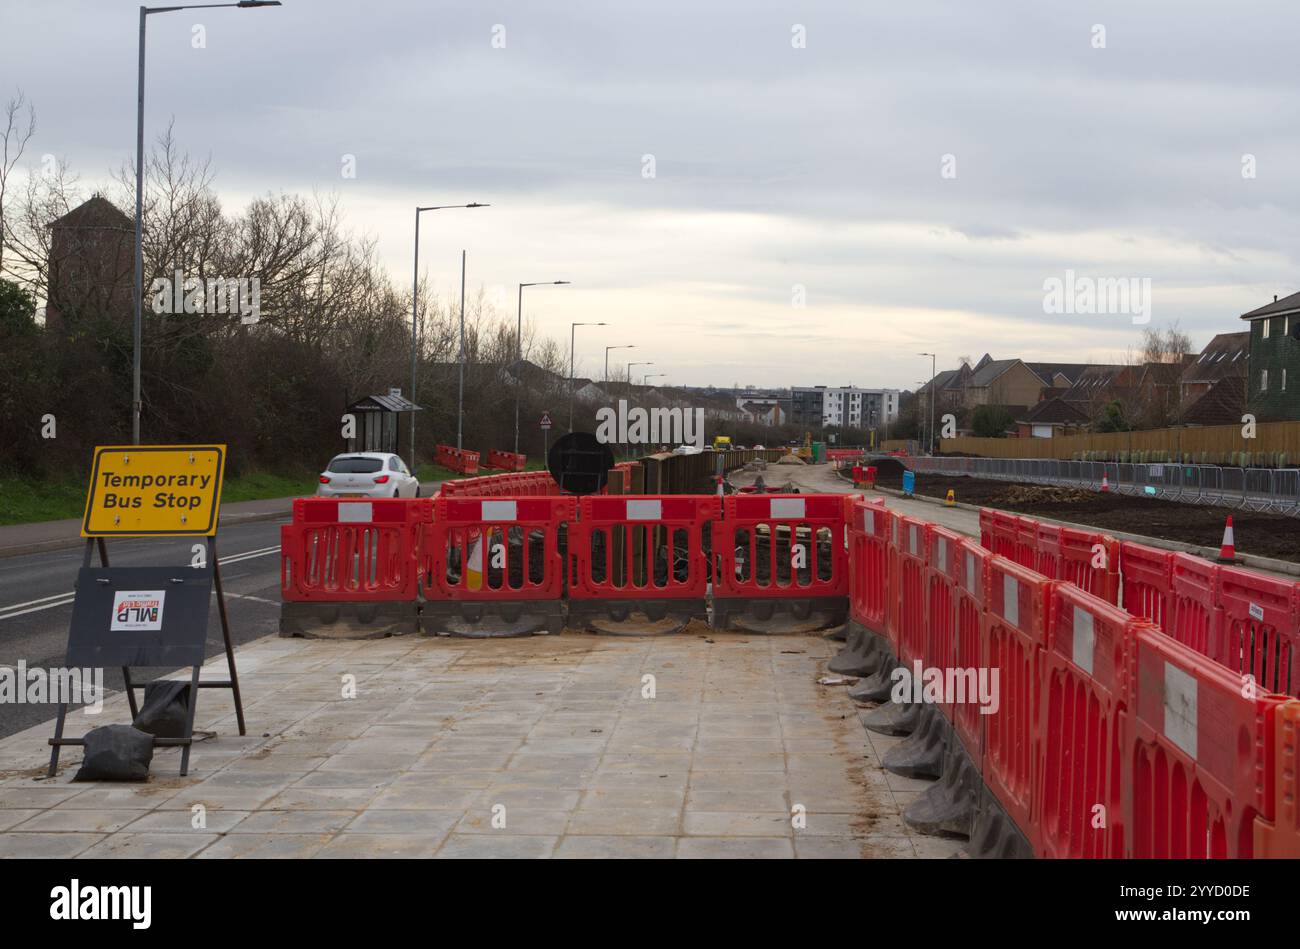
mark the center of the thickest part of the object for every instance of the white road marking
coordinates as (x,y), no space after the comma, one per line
(63,599)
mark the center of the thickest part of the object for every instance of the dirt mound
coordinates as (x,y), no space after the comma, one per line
(1042,494)
(791,460)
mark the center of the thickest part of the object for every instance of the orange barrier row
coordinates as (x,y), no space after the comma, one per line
(460,460)
(1088,559)
(506,460)
(526,484)
(1109,738)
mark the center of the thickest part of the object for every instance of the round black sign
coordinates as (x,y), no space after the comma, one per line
(579,463)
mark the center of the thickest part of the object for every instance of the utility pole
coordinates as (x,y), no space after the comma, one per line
(460,398)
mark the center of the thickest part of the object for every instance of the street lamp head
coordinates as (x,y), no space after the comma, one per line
(475,204)
(249,4)
(559,282)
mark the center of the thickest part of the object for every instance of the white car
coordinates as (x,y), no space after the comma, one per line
(367,474)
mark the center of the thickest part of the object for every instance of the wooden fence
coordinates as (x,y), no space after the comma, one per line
(1216,441)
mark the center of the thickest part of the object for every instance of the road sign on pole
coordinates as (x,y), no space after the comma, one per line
(546,421)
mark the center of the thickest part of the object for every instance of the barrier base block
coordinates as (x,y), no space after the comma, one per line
(778,615)
(877,686)
(322,619)
(839,634)
(947,808)
(491,619)
(995,834)
(635,617)
(862,654)
(922,754)
(894,718)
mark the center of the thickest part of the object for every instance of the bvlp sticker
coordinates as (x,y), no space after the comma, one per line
(137,610)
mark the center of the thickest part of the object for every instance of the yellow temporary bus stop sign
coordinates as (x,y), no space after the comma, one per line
(146,490)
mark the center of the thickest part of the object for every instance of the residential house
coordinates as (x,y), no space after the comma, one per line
(1271,393)
(1051,418)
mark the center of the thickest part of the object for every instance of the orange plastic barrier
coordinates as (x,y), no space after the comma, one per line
(352,551)
(972,597)
(1047,541)
(1085,727)
(506,460)
(1090,560)
(804,554)
(1013,642)
(868,560)
(640,546)
(1195,617)
(1147,580)
(893,582)
(1281,837)
(1025,549)
(482,549)
(1261,628)
(1002,530)
(461,460)
(1203,755)
(942,580)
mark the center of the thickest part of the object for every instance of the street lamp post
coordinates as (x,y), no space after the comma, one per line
(138,328)
(932,378)
(519,346)
(607,349)
(572,330)
(415,294)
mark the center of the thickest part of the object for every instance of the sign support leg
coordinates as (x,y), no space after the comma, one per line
(225,635)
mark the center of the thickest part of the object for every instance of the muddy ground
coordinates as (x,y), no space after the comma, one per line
(1265,535)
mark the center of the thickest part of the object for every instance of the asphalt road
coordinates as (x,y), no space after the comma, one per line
(36,601)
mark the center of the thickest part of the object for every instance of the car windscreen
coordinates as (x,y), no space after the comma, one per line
(346,464)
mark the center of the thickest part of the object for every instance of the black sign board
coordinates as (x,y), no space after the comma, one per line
(580,463)
(140,616)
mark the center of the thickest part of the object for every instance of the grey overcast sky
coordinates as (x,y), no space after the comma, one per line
(776,166)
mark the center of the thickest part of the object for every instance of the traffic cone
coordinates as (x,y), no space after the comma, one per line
(1228,549)
(1105,483)
(951,499)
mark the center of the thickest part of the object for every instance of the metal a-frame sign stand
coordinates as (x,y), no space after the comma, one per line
(150,491)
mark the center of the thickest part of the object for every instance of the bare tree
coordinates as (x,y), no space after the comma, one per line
(13,142)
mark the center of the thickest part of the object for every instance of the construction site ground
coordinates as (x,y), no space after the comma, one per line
(698,744)
(1266,535)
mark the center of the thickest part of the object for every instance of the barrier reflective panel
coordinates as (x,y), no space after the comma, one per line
(1280,837)
(1090,560)
(1013,644)
(942,578)
(867,523)
(786,553)
(629,548)
(1195,617)
(972,597)
(1147,582)
(1090,646)
(1202,753)
(1261,628)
